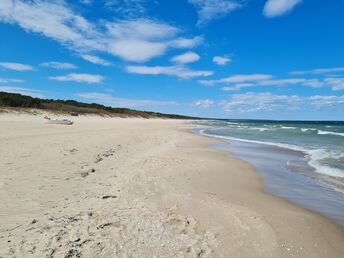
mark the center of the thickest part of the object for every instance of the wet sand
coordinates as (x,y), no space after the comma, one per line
(289,176)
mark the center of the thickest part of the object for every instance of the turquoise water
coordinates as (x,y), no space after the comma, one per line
(322,142)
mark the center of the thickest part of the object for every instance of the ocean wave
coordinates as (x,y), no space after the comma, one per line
(236,126)
(260,129)
(327,132)
(308,129)
(315,155)
(281,145)
(288,127)
(316,158)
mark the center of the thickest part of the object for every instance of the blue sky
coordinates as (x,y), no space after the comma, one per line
(274,59)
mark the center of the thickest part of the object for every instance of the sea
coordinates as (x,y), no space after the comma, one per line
(301,161)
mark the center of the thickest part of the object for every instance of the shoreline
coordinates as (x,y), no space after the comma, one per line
(302,150)
(303,187)
(153,180)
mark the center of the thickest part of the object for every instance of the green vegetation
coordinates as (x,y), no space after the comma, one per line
(72,106)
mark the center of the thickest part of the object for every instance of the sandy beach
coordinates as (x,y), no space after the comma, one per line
(115,187)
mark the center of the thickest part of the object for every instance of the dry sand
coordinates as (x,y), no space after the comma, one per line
(141,188)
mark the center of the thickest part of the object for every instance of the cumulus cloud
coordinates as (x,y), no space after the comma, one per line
(137,50)
(16,66)
(188,57)
(79,77)
(140,40)
(175,70)
(208,10)
(96,60)
(204,103)
(59,65)
(109,100)
(221,60)
(185,42)
(336,84)
(274,8)
(320,102)
(137,40)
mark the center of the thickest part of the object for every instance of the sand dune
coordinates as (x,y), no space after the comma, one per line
(141,188)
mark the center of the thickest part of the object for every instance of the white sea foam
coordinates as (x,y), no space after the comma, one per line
(332,133)
(315,155)
(320,154)
(307,129)
(288,127)
(260,129)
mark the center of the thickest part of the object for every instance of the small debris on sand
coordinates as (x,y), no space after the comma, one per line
(109,196)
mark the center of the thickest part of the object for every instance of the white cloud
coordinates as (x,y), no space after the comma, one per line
(95,60)
(259,102)
(136,40)
(59,65)
(79,77)
(188,57)
(177,70)
(319,71)
(204,103)
(141,29)
(213,9)
(16,66)
(137,50)
(128,8)
(245,78)
(6,80)
(238,78)
(52,19)
(221,60)
(238,86)
(274,8)
(326,101)
(280,82)
(109,100)
(254,102)
(141,40)
(23,91)
(336,84)
(313,83)
(185,42)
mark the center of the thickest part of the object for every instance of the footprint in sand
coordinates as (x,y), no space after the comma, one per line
(86,171)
